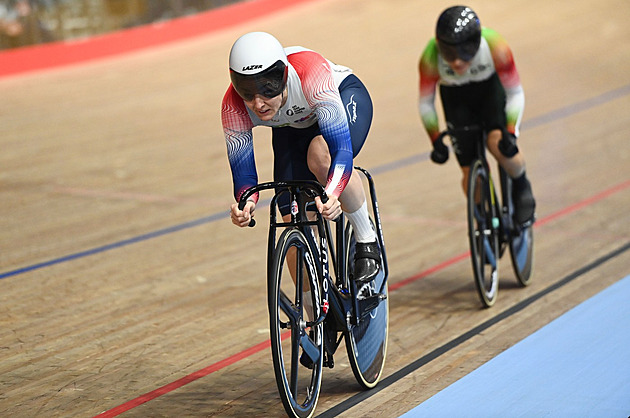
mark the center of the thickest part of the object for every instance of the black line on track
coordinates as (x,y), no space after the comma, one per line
(405,371)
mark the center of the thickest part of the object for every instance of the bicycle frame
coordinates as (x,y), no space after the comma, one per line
(505,205)
(327,251)
(344,305)
(378,226)
(322,256)
(518,238)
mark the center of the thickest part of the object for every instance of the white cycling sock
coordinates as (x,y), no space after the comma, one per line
(360,221)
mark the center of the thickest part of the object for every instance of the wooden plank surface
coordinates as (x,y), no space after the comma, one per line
(121,272)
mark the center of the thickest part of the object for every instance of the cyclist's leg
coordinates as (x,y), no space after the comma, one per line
(514,165)
(512,161)
(358,106)
(502,145)
(459,111)
(353,202)
(359,111)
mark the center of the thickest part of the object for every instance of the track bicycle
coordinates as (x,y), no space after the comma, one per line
(491,228)
(313,302)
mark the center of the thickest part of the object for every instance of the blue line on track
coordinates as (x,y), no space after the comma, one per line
(578,107)
(531,123)
(118,244)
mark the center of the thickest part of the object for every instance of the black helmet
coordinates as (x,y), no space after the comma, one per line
(458,33)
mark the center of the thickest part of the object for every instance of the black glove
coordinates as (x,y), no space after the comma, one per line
(439,155)
(507,145)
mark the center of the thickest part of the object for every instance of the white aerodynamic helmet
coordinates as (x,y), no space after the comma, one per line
(258,65)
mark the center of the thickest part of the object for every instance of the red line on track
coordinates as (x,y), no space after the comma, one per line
(262,346)
(428,271)
(56,54)
(184,380)
(586,202)
(188,379)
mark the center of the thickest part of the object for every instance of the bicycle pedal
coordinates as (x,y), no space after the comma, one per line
(306,361)
(367,305)
(329,362)
(527,224)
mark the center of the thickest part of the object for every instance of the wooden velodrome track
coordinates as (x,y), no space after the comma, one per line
(125,288)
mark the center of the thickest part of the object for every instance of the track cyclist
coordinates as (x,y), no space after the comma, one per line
(479,85)
(320,114)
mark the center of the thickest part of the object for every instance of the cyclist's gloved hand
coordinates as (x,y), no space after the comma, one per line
(439,155)
(507,145)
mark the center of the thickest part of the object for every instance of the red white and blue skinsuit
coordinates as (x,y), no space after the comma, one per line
(312,98)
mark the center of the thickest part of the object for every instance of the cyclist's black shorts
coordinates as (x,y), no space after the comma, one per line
(290,145)
(479,103)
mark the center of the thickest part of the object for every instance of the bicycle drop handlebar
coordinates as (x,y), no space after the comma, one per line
(439,156)
(461,129)
(311,187)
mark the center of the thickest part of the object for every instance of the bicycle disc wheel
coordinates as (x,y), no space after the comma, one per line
(293,345)
(520,240)
(522,254)
(366,342)
(483,234)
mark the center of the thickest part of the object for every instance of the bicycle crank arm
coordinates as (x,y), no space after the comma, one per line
(367,305)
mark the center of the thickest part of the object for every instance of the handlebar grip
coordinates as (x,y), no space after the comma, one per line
(324,197)
(241,206)
(444,134)
(438,157)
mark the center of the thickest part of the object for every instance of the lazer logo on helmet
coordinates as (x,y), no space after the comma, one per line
(252,67)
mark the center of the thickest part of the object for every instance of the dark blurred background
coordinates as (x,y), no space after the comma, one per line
(30,22)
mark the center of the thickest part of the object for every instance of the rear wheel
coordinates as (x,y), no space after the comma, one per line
(366,342)
(520,240)
(483,233)
(522,254)
(293,344)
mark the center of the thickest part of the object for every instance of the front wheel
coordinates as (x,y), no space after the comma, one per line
(366,342)
(483,232)
(297,350)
